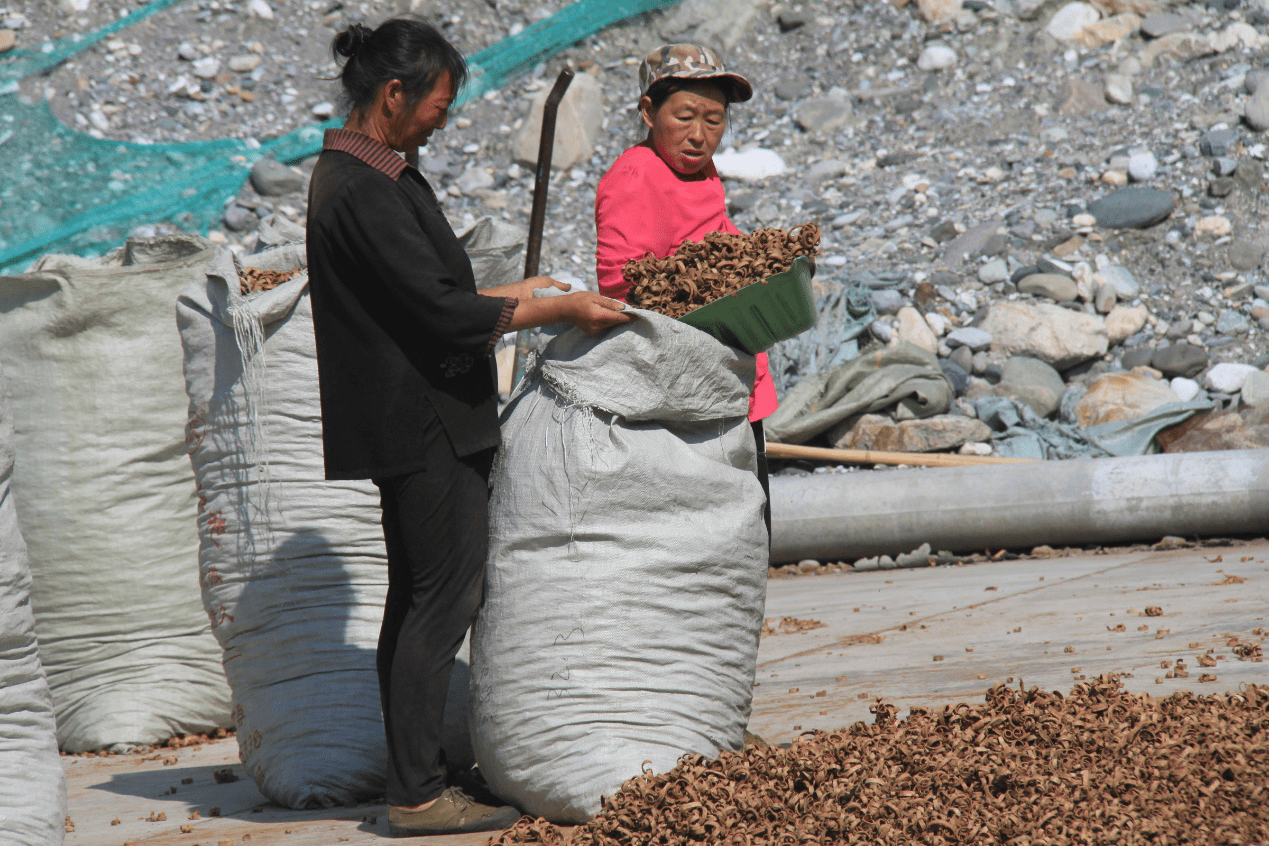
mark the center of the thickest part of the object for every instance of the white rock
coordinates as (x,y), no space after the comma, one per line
(1142,166)
(996,270)
(1236,35)
(187,52)
(98,120)
(1255,389)
(261,9)
(1185,389)
(970,336)
(1083,220)
(752,165)
(913,329)
(937,11)
(245,63)
(1119,88)
(937,57)
(77,7)
(1214,226)
(1227,377)
(323,110)
(1125,321)
(1055,335)
(206,68)
(937,323)
(1072,19)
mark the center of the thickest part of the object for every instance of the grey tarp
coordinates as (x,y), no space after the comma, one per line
(880,377)
(1020,433)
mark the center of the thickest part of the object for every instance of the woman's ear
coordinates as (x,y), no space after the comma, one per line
(645,111)
(393,98)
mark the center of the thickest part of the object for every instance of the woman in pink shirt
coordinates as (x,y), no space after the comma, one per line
(665,190)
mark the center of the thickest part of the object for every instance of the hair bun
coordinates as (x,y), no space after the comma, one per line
(349,42)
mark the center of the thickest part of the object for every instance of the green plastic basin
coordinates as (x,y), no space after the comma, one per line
(760,315)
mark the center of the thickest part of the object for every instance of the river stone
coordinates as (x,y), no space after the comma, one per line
(1227,377)
(1080,97)
(1053,334)
(1255,389)
(1134,207)
(1104,298)
(577,124)
(941,432)
(911,327)
(1256,111)
(1072,19)
(1033,382)
(969,242)
(937,57)
(271,178)
(969,336)
(823,115)
(937,11)
(956,373)
(1136,357)
(1119,278)
(245,63)
(8,40)
(1054,286)
(1121,396)
(1217,432)
(1232,322)
(1246,253)
(1125,321)
(1163,23)
(1185,389)
(1218,142)
(887,301)
(1180,359)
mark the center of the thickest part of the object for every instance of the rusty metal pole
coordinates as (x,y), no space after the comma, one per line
(537,217)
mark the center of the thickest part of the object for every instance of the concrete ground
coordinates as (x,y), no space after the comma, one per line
(915,637)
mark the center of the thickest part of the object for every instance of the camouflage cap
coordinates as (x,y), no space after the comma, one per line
(691,61)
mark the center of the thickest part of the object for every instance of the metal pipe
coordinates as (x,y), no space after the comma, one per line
(537,217)
(845,516)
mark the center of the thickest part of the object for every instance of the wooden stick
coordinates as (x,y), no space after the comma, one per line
(867,456)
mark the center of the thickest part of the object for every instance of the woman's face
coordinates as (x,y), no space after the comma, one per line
(686,128)
(413,126)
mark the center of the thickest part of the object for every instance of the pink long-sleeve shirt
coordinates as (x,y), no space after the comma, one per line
(643,206)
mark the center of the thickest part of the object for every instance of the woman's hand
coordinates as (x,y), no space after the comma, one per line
(524,289)
(593,313)
(586,310)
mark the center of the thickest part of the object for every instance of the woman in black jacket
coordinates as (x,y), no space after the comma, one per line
(408,387)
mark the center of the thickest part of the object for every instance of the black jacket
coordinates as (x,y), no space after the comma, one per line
(403,339)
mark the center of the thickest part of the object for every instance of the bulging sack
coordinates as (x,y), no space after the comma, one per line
(104,494)
(627,567)
(292,567)
(32,782)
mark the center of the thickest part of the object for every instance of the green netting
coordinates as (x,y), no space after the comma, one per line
(64,191)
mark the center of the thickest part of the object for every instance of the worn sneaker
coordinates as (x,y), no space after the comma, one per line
(453,813)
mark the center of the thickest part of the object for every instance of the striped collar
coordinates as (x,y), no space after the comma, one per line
(374,153)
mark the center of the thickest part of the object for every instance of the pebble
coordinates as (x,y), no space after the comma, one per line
(1227,377)
(996,270)
(823,115)
(261,9)
(937,57)
(244,63)
(1053,286)
(8,40)
(272,178)
(1233,323)
(1246,254)
(975,339)
(1182,359)
(1134,207)
(1142,166)
(187,52)
(1119,89)
(1160,24)
(1033,382)
(1125,321)
(753,165)
(887,301)
(206,68)
(1185,389)
(1218,142)
(323,110)
(1255,389)
(1214,226)
(1071,20)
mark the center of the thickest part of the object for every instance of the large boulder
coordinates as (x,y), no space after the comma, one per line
(1121,396)
(1059,336)
(577,124)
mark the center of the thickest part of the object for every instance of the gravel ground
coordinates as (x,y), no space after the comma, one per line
(1011,124)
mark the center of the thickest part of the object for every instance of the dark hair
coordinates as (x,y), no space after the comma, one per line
(407,49)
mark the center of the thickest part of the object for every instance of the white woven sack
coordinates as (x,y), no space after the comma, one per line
(105,496)
(293,567)
(627,567)
(32,782)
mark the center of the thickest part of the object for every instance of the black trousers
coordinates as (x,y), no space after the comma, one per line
(760,437)
(436,525)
